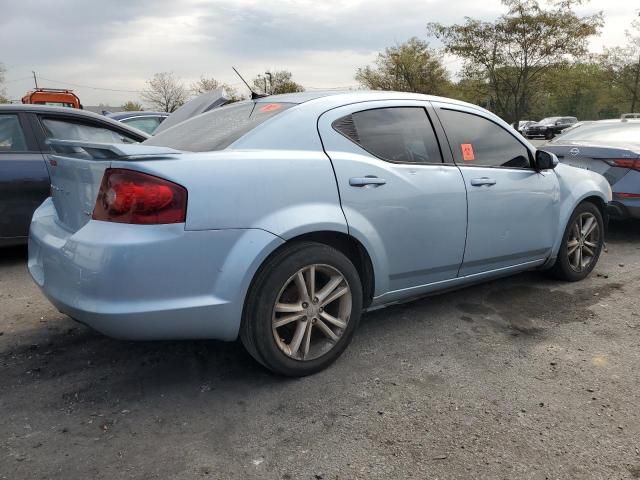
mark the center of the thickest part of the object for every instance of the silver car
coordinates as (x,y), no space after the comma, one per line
(280,220)
(611,148)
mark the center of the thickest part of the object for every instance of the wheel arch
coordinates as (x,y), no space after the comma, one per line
(595,197)
(344,243)
(597,201)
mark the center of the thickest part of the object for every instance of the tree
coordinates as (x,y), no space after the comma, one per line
(3,98)
(205,84)
(623,66)
(132,106)
(512,53)
(580,89)
(276,82)
(409,67)
(165,92)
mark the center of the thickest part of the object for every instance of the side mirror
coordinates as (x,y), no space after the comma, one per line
(545,160)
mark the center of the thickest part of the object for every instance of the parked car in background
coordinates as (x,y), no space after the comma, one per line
(148,122)
(24,179)
(202,103)
(522,124)
(280,219)
(610,148)
(549,127)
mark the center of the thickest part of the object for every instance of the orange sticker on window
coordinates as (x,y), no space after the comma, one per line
(467,152)
(270,107)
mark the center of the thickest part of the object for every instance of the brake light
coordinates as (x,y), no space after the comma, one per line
(633,164)
(626,195)
(128,196)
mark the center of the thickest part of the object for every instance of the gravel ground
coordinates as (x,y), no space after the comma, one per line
(519,378)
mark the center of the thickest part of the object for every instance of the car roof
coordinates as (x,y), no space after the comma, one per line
(352,96)
(141,113)
(82,114)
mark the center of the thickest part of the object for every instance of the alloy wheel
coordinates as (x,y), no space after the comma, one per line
(583,242)
(311,312)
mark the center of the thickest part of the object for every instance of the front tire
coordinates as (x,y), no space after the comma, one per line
(302,309)
(581,244)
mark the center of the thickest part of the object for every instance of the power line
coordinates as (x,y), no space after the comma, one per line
(89,86)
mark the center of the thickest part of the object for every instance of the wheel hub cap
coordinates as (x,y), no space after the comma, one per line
(584,242)
(311,312)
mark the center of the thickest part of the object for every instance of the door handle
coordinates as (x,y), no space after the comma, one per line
(478,182)
(368,180)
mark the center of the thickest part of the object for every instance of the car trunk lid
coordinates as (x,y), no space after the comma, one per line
(76,170)
(595,157)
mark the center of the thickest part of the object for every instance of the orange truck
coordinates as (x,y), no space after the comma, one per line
(54,97)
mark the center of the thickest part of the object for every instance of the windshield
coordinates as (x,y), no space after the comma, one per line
(218,128)
(604,132)
(549,120)
(55,104)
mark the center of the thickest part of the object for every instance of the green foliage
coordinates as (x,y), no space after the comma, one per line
(132,106)
(622,65)
(279,81)
(408,67)
(508,57)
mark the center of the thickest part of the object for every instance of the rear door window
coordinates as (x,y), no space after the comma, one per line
(394,134)
(217,128)
(477,141)
(11,135)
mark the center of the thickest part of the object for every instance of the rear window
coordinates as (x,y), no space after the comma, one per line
(609,132)
(219,128)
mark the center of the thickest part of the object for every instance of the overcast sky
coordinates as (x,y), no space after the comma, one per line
(118,44)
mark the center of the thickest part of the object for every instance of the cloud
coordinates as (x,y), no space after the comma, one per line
(121,43)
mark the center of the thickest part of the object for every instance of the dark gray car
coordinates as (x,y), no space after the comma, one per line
(549,127)
(611,148)
(24,179)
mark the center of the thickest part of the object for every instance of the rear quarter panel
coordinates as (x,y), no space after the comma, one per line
(285,192)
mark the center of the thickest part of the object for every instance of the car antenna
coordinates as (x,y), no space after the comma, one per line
(254,95)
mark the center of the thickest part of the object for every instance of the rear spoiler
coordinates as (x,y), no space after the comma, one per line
(108,151)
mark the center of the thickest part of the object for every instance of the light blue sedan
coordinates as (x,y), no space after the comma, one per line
(280,220)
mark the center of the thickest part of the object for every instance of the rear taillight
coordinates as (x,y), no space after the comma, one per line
(128,196)
(633,164)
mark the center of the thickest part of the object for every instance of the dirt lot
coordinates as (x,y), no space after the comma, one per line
(519,378)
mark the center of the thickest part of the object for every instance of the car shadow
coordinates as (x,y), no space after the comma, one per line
(86,369)
(13,255)
(624,231)
(83,367)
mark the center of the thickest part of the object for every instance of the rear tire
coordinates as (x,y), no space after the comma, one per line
(302,309)
(581,245)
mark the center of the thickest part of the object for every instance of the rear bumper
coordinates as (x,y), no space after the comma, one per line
(146,282)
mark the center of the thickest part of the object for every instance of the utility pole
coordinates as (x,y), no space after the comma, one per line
(637,80)
(259,77)
(35,80)
(268,74)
